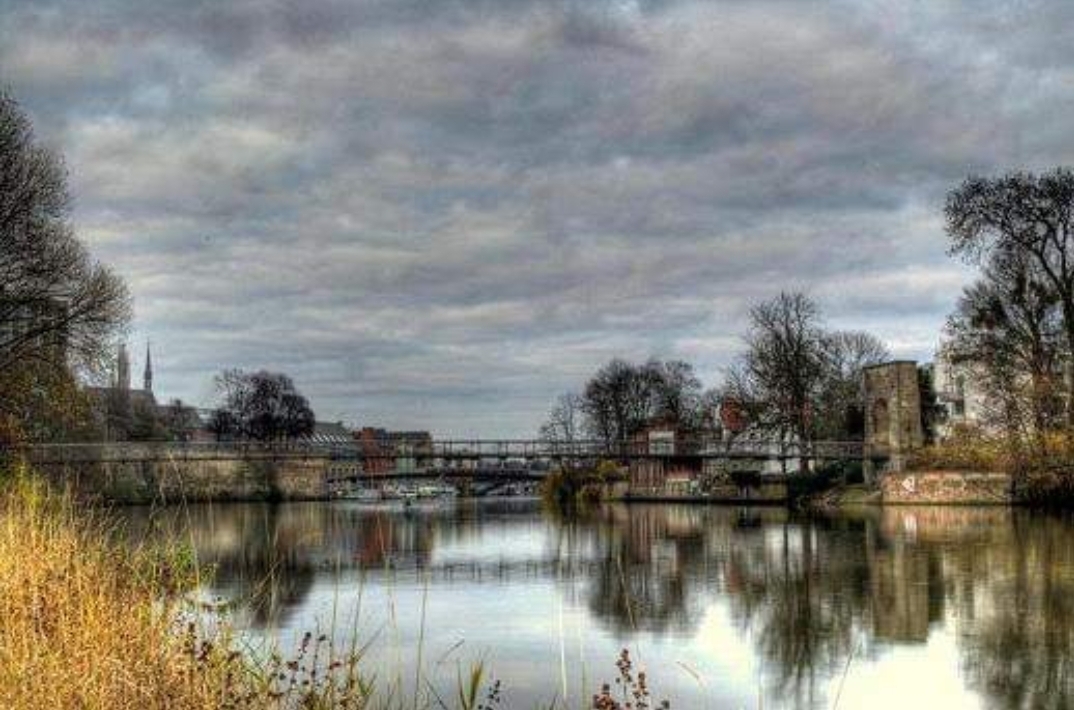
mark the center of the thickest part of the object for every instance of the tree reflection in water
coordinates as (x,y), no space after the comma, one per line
(1018,636)
(800,586)
(809,593)
(266,557)
(645,561)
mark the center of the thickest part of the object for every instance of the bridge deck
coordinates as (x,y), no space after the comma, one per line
(446,451)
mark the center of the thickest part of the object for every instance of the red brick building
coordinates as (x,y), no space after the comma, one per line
(386,451)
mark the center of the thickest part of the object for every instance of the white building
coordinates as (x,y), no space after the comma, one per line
(959,390)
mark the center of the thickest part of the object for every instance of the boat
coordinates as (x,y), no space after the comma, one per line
(362,494)
(436,491)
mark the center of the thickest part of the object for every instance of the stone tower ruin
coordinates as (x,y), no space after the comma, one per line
(892,416)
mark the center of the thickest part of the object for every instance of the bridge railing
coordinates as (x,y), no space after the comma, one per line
(450,450)
(594,448)
(179,450)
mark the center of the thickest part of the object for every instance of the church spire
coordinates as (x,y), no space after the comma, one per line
(148,369)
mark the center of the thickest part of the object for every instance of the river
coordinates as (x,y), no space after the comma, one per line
(724,607)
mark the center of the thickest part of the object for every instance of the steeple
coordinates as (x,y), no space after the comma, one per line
(148,369)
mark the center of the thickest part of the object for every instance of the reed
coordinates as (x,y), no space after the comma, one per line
(88,622)
(83,622)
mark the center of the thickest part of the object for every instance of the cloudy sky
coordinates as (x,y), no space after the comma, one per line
(442,213)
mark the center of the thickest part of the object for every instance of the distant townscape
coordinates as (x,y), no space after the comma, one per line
(802,398)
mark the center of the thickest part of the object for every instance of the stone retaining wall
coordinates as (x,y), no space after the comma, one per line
(162,481)
(946,487)
(767,492)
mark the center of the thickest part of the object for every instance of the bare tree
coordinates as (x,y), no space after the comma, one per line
(778,379)
(1022,214)
(677,391)
(263,406)
(622,397)
(57,305)
(616,401)
(840,413)
(564,424)
(59,310)
(1009,326)
(224,425)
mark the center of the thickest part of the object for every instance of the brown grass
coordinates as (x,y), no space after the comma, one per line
(83,622)
(967,449)
(87,622)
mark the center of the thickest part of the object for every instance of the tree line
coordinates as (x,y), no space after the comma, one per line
(797,380)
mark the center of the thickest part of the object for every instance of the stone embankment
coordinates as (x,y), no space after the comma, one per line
(892,488)
(924,488)
(946,487)
(161,473)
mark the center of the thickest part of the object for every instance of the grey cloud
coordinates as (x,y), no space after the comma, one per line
(442,214)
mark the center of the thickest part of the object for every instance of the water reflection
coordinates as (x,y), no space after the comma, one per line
(815,603)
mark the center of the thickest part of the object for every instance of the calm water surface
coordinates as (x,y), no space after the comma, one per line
(725,607)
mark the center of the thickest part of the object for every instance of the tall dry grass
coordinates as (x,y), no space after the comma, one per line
(85,623)
(88,622)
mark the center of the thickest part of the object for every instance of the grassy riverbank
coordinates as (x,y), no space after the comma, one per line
(83,622)
(88,622)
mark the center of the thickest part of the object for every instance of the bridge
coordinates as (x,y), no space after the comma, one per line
(451,455)
(147,471)
(474,459)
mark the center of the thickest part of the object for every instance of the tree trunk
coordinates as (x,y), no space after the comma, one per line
(803,451)
(1068,374)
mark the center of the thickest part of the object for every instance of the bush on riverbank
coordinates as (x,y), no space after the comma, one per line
(570,486)
(1042,468)
(823,481)
(965,449)
(1046,478)
(802,487)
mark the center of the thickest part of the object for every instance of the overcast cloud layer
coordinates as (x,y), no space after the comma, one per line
(440,214)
